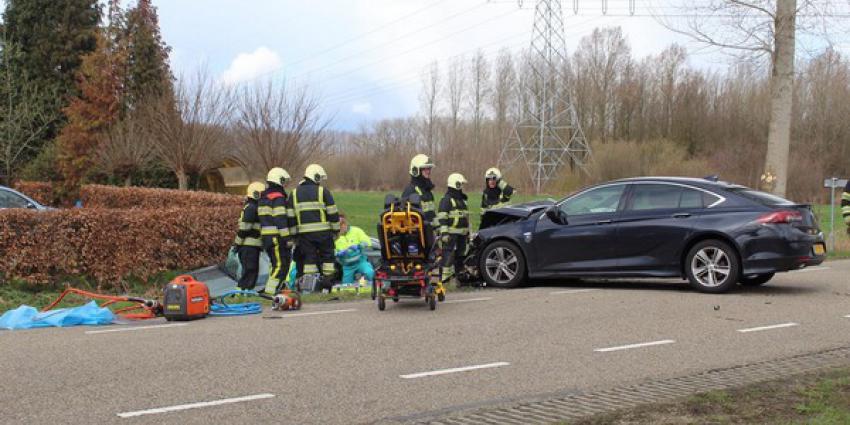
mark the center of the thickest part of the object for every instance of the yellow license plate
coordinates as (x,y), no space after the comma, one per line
(820,249)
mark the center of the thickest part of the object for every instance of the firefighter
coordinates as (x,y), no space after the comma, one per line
(314,220)
(275,228)
(497,192)
(453,216)
(845,206)
(350,247)
(420,184)
(248,242)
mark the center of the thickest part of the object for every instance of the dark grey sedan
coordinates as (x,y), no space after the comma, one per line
(10,198)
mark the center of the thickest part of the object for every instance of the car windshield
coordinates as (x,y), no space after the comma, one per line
(763,198)
(12,200)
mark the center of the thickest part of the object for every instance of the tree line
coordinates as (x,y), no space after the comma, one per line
(658,114)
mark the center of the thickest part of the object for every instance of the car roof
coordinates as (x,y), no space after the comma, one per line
(703,182)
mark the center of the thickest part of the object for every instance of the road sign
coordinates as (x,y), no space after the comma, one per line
(834,183)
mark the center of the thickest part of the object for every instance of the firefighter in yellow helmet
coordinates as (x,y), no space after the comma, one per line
(497,191)
(275,228)
(453,216)
(420,184)
(248,242)
(314,221)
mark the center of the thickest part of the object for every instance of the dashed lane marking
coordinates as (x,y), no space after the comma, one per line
(136,328)
(765,328)
(631,346)
(180,407)
(454,370)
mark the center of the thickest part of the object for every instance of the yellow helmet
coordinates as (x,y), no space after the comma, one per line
(456,181)
(254,190)
(419,162)
(277,175)
(493,173)
(316,173)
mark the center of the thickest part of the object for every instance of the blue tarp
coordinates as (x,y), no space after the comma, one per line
(26,317)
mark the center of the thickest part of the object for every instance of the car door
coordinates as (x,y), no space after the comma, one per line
(583,243)
(654,225)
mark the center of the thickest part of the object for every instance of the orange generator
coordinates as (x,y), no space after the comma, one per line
(184,298)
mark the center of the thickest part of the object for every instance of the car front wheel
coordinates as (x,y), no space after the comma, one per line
(712,266)
(502,265)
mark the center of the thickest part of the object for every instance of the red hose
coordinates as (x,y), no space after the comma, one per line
(124,312)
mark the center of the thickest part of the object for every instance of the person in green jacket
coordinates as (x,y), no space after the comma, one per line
(350,252)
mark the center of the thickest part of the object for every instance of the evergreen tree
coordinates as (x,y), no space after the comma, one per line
(51,37)
(149,75)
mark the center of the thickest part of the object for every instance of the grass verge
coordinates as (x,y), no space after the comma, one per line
(819,398)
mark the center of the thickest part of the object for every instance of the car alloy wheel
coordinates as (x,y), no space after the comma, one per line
(501,265)
(711,267)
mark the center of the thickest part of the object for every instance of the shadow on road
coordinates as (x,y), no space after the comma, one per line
(674,285)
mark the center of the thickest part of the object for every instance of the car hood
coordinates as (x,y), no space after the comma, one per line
(511,213)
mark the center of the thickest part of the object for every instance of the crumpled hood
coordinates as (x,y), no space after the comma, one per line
(512,213)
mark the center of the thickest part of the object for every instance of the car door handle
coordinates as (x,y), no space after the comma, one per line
(681,215)
(604,222)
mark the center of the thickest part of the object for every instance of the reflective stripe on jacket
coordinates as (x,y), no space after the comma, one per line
(311,208)
(272,212)
(249,226)
(453,214)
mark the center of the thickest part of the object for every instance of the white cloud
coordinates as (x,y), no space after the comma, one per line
(363,108)
(247,66)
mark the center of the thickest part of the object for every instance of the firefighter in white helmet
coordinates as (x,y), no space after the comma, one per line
(420,184)
(314,221)
(275,228)
(248,242)
(453,216)
(497,191)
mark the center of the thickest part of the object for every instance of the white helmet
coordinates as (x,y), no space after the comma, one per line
(419,162)
(316,173)
(456,181)
(254,190)
(493,173)
(277,175)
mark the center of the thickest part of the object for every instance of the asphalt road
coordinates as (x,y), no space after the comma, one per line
(350,363)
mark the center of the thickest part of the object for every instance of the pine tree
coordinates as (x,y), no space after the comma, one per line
(149,75)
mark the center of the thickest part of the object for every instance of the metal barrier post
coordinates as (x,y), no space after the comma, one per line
(832,215)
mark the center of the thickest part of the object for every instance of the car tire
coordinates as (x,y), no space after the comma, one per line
(502,265)
(756,279)
(712,266)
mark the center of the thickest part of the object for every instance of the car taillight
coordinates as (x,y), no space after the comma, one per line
(780,217)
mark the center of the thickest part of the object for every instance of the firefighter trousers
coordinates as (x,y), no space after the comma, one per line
(316,254)
(249,259)
(279,258)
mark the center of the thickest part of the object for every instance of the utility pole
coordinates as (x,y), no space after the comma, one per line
(548,134)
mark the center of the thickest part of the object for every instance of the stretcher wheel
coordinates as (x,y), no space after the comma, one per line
(395,299)
(441,297)
(374,291)
(432,303)
(382,303)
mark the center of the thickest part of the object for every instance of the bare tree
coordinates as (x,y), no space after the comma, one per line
(125,148)
(455,86)
(479,92)
(429,98)
(503,95)
(189,129)
(277,126)
(757,29)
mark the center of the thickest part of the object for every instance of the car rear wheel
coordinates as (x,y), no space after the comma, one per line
(756,279)
(502,265)
(712,266)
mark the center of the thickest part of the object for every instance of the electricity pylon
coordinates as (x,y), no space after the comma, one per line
(548,134)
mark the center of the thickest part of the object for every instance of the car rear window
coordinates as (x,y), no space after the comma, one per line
(763,198)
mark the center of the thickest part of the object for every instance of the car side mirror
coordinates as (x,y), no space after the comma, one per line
(556,215)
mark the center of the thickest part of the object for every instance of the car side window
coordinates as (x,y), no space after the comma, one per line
(595,201)
(11,200)
(647,197)
(692,198)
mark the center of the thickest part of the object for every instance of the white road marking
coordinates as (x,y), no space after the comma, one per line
(630,346)
(573,291)
(764,328)
(316,313)
(194,405)
(811,269)
(454,370)
(847,316)
(136,328)
(469,300)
